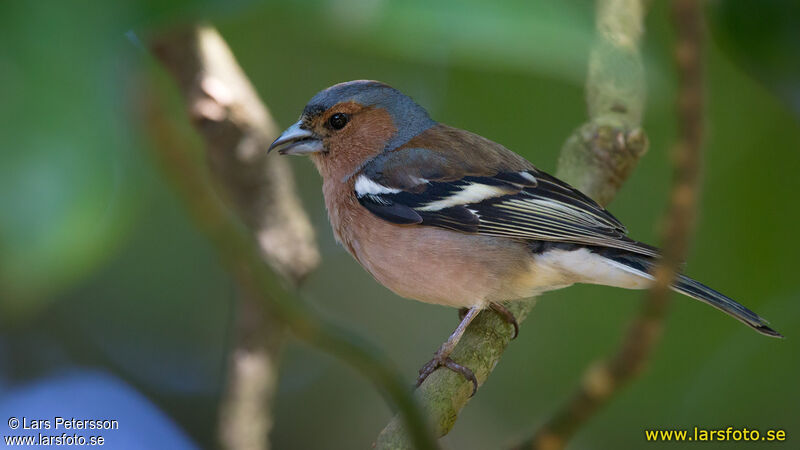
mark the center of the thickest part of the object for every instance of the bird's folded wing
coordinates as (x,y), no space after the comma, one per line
(505,202)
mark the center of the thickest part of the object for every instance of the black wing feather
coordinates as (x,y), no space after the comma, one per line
(529,205)
(390,210)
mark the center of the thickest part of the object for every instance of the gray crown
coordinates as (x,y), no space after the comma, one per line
(409,118)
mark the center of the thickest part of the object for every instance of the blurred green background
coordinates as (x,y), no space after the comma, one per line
(105,281)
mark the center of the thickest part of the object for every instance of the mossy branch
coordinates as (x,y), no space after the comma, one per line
(605,378)
(596,158)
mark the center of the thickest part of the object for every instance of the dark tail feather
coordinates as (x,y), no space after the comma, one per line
(705,294)
(693,288)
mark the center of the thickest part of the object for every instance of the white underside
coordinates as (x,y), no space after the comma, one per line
(558,268)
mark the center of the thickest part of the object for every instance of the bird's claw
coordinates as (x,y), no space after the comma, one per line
(440,361)
(507,316)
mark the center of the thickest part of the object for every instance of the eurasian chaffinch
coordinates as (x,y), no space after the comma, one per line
(445,216)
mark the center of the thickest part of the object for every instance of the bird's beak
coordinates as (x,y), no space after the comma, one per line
(297,141)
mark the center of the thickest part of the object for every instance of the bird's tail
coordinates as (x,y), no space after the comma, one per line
(644,264)
(705,294)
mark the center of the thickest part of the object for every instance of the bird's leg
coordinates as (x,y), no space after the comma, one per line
(506,315)
(442,356)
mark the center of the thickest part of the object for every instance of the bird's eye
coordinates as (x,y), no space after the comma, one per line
(338,121)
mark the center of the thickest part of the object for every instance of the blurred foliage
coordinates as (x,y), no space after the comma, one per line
(68,171)
(764,39)
(100,267)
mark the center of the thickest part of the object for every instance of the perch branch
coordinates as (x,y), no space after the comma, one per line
(605,378)
(236,128)
(596,159)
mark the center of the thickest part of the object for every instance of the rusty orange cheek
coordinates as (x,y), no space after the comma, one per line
(373,127)
(364,137)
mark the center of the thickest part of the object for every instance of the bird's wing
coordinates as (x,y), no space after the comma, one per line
(425,187)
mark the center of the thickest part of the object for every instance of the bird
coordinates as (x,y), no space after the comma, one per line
(445,216)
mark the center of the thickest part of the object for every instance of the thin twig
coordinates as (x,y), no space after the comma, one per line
(596,159)
(244,257)
(605,378)
(236,126)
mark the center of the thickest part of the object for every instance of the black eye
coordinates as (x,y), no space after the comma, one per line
(338,121)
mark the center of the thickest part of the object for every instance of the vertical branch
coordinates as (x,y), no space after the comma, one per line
(599,156)
(596,158)
(238,251)
(604,379)
(236,127)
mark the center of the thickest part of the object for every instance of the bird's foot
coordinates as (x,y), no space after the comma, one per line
(442,356)
(507,316)
(443,360)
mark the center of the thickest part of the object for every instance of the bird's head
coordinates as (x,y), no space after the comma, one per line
(346,124)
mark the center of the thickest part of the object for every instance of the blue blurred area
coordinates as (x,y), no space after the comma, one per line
(90,395)
(109,294)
